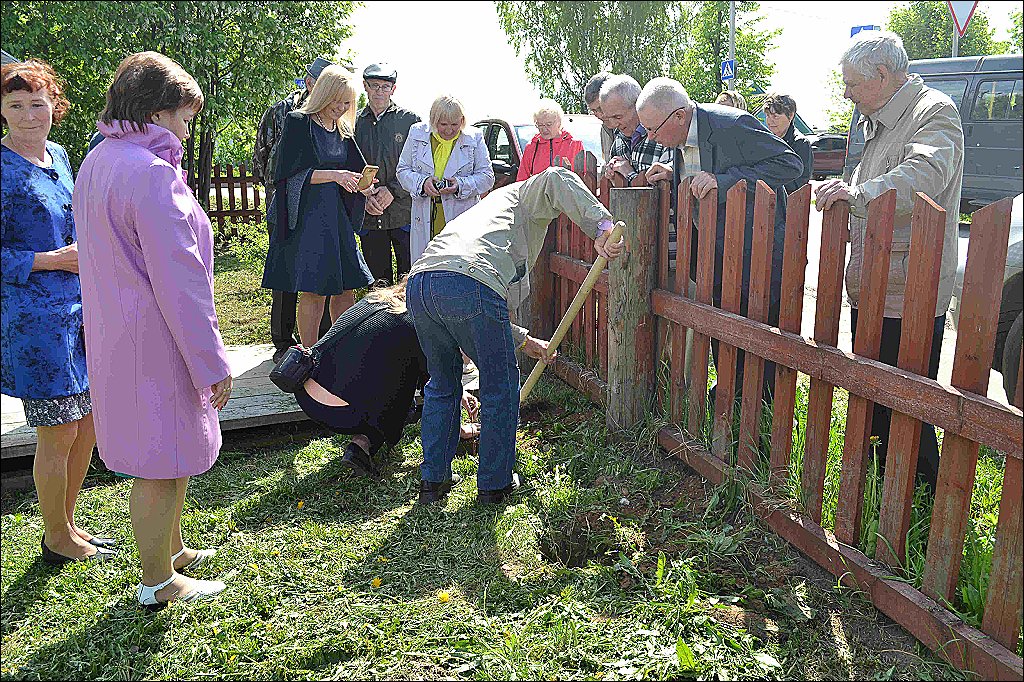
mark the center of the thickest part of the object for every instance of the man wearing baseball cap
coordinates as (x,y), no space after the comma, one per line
(381,129)
(282,307)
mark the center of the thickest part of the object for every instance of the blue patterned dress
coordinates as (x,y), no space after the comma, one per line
(41,339)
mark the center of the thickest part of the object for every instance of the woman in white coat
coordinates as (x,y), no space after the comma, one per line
(446,169)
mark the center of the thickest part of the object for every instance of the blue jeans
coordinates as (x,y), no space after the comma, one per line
(450,312)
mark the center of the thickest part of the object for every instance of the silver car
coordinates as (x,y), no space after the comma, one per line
(1011,308)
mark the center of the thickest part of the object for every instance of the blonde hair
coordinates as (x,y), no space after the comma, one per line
(732,98)
(551,107)
(332,85)
(393,297)
(447,108)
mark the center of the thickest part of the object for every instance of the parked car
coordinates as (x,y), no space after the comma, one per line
(828,155)
(1011,307)
(506,141)
(987,92)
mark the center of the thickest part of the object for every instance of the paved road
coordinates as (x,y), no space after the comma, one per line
(995,389)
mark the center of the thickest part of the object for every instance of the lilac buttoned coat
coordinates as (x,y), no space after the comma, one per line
(153,346)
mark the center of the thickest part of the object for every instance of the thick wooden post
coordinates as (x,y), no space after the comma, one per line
(631,335)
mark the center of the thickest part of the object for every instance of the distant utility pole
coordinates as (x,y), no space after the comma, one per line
(732,30)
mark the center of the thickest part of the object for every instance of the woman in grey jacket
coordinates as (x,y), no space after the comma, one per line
(459,294)
(463,170)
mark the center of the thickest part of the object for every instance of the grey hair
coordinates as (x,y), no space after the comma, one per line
(592,90)
(876,48)
(664,94)
(624,87)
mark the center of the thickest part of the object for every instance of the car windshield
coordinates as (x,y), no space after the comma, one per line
(586,129)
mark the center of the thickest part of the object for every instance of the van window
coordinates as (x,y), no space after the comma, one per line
(954,89)
(502,146)
(998,101)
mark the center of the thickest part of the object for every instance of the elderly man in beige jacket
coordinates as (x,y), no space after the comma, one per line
(913,142)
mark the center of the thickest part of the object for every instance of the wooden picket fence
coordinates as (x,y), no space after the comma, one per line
(236,198)
(638,316)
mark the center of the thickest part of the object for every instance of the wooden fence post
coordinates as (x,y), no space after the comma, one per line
(631,330)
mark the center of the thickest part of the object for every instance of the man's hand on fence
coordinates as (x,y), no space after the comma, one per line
(829,192)
(658,171)
(702,183)
(609,251)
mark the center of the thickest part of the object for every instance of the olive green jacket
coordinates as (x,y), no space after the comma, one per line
(497,242)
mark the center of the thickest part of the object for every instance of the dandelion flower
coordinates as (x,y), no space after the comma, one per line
(376,582)
(444,597)
(300,504)
(382,559)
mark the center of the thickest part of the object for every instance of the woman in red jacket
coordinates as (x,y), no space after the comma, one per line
(552,146)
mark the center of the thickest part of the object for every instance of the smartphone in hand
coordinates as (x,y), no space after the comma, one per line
(369,173)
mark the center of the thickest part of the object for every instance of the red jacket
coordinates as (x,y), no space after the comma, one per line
(541,153)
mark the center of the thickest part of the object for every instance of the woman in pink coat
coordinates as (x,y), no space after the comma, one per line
(153,348)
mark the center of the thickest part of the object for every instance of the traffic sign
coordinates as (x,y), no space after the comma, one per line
(962,13)
(857,29)
(728,69)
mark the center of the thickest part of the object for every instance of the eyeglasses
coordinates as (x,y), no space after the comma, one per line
(655,131)
(379,87)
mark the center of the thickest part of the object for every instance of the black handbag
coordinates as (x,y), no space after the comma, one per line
(294,369)
(298,363)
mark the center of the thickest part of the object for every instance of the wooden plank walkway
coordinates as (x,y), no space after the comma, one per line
(255,401)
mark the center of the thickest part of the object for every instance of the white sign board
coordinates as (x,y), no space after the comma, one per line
(962,13)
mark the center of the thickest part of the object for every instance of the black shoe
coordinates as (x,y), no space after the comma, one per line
(499,496)
(105,543)
(53,559)
(356,459)
(431,492)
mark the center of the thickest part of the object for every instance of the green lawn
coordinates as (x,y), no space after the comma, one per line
(613,563)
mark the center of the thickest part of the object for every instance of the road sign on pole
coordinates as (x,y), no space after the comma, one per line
(857,29)
(962,13)
(728,69)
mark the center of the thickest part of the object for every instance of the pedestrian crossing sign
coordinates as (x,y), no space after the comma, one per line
(728,69)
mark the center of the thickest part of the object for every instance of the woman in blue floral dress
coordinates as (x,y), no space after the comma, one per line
(41,340)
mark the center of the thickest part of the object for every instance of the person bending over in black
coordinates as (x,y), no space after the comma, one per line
(370,367)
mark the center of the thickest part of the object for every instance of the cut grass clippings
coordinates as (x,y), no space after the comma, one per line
(334,577)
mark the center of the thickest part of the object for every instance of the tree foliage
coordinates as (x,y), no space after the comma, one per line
(927,31)
(244,55)
(1017,32)
(565,43)
(707,46)
(840,109)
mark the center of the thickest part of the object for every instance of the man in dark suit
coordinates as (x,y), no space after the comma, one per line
(718,146)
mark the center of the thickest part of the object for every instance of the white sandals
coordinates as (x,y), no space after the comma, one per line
(201,556)
(204,588)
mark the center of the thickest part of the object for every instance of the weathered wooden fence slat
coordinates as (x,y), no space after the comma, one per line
(707,220)
(747,452)
(794,268)
(866,343)
(732,293)
(684,218)
(834,236)
(975,344)
(928,226)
